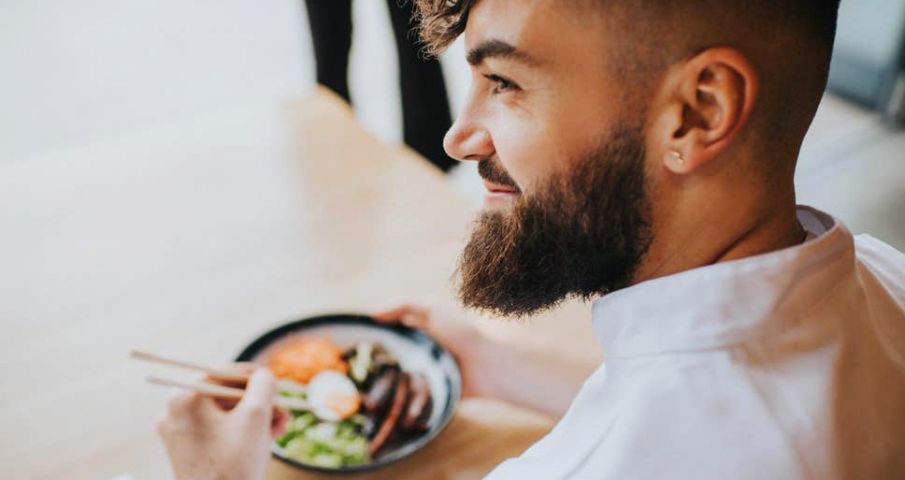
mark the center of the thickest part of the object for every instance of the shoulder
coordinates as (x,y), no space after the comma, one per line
(876,251)
(700,416)
(884,263)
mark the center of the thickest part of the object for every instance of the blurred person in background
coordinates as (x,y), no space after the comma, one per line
(425,106)
(642,155)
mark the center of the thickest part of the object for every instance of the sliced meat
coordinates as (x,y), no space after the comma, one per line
(418,403)
(392,418)
(381,391)
(423,422)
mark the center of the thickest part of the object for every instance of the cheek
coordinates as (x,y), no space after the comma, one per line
(528,153)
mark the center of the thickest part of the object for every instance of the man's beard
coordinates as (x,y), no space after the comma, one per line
(582,233)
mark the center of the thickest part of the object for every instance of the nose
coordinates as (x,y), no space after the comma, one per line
(467,141)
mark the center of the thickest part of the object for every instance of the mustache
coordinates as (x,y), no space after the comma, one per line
(493,172)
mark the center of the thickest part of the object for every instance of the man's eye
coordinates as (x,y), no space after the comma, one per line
(500,84)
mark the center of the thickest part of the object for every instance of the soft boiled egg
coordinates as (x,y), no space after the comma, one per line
(333,396)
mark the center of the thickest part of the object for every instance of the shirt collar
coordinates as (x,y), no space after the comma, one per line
(725,303)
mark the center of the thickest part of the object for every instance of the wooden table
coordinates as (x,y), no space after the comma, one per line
(192,239)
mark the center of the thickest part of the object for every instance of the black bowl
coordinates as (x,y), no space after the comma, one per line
(415,350)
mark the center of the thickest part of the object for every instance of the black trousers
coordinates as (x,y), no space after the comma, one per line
(425,106)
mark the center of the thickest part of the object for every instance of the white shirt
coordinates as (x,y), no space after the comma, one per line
(789,365)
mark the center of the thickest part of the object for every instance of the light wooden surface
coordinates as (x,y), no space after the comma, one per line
(191,240)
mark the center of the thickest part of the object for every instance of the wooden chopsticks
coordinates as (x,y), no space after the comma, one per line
(214,373)
(211,389)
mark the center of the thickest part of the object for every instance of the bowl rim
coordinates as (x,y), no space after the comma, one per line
(453,380)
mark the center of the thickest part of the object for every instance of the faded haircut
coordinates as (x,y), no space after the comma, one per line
(789,41)
(442,21)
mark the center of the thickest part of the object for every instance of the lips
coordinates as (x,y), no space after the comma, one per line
(497,188)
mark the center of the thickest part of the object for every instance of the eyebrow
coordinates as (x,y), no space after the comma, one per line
(496,48)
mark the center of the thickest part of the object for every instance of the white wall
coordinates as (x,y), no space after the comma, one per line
(871,29)
(76,72)
(82,71)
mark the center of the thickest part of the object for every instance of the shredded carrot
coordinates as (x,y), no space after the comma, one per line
(301,359)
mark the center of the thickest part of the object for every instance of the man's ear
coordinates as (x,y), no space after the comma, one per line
(705,103)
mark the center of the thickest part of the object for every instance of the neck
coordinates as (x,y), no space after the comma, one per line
(775,232)
(733,235)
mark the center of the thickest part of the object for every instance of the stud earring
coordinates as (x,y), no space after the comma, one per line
(678,156)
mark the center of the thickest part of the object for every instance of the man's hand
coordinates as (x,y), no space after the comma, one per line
(450,327)
(540,380)
(204,441)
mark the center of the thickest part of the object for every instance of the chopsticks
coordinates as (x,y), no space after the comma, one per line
(229,393)
(211,389)
(215,373)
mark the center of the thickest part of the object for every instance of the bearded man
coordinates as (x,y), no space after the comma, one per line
(641,154)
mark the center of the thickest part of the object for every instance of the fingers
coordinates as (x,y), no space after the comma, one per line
(162,424)
(241,368)
(410,315)
(393,314)
(260,392)
(188,410)
(226,403)
(280,423)
(182,402)
(415,320)
(246,368)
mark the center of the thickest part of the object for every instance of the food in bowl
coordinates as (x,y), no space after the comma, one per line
(359,402)
(300,359)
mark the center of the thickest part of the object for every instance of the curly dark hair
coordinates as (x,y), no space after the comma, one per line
(441,21)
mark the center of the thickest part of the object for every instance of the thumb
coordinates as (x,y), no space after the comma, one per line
(260,391)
